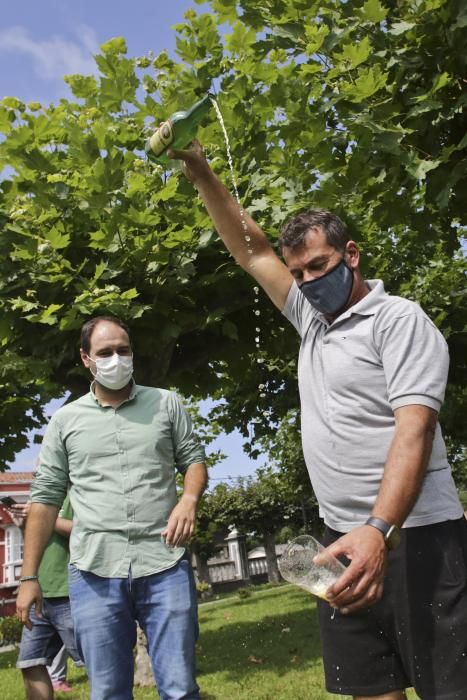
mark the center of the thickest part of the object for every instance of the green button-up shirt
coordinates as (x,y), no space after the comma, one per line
(120,465)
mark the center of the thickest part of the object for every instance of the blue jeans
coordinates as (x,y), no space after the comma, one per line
(104,613)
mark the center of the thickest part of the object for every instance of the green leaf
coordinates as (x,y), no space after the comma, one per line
(100,269)
(56,238)
(315,34)
(205,238)
(369,81)
(289,30)
(13,103)
(229,329)
(116,46)
(440,81)
(136,183)
(373,11)
(354,54)
(83,86)
(419,168)
(398,28)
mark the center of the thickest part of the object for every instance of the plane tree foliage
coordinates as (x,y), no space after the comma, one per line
(355,106)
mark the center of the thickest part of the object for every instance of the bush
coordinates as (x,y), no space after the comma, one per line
(204,589)
(10,630)
(244,593)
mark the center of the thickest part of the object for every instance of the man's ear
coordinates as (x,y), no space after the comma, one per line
(85,358)
(352,255)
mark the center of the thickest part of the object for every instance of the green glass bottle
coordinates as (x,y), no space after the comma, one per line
(177,131)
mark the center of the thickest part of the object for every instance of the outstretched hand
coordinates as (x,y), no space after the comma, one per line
(362,583)
(194,163)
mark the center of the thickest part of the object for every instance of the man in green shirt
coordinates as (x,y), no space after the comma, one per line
(119,447)
(54,628)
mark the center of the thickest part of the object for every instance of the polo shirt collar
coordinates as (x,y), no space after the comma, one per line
(372,301)
(367,306)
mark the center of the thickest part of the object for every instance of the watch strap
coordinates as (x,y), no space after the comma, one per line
(391,533)
(379,524)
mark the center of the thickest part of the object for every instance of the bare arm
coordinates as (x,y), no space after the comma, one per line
(63,527)
(19,514)
(406,464)
(262,263)
(181,523)
(402,479)
(39,527)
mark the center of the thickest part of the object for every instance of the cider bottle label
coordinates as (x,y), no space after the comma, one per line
(162,138)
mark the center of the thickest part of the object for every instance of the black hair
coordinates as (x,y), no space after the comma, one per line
(88,328)
(294,232)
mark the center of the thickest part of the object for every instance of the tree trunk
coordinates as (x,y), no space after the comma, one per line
(202,569)
(305,520)
(144,677)
(271,559)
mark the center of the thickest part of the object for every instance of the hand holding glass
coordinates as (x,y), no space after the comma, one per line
(297,566)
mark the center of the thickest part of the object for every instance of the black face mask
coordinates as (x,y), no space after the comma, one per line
(330,292)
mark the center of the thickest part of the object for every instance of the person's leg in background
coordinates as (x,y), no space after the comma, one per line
(57,671)
(38,647)
(60,616)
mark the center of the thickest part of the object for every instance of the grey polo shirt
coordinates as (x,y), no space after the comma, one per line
(382,353)
(121,465)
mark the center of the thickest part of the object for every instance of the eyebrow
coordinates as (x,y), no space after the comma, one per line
(313,261)
(112,348)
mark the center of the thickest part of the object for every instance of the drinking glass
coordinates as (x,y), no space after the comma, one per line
(297,566)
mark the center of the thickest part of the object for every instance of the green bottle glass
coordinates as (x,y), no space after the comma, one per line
(177,131)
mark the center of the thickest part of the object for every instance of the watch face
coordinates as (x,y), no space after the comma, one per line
(393,537)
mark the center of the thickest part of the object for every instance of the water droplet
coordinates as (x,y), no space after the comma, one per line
(257,313)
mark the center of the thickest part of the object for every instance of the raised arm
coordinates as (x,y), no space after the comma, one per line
(262,263)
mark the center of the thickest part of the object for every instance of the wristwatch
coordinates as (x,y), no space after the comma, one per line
(392,534)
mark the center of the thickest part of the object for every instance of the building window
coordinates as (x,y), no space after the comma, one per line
(14,554)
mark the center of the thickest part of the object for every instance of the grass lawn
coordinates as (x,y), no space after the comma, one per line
(265,647)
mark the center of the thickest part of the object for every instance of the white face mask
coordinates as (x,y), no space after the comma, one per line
(113,372)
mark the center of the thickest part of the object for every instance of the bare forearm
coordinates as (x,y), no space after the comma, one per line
(63,527)
(406,463)
(196,479)
(235,226)
(39,527)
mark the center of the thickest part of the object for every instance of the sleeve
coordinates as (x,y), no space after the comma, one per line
(66,511)
(187,448)
(298,310)
(415,360)
(51,480)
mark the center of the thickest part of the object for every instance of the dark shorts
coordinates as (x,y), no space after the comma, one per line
(49,633)
(416,635)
